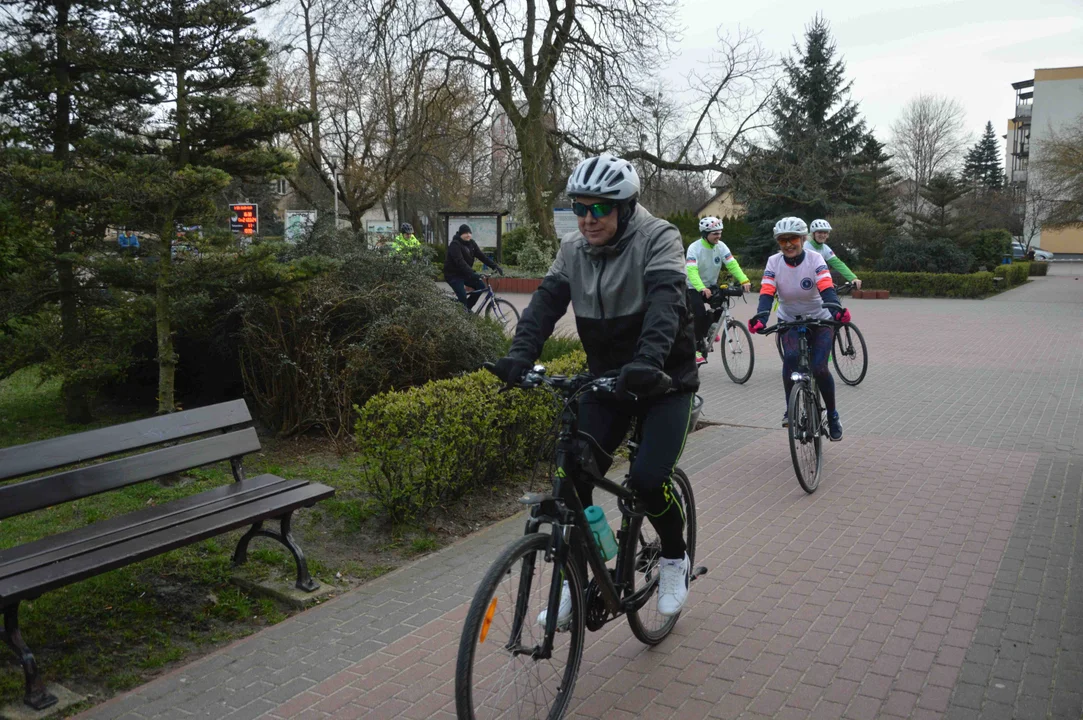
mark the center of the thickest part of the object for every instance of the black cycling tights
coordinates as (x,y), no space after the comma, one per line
(665,427)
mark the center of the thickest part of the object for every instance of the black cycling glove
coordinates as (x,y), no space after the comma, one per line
(642,379)
(511,370)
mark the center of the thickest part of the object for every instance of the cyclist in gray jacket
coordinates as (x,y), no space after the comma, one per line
(623,271)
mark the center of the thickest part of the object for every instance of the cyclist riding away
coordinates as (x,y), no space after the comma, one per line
(459,266)
(703,262)
(406,245)
(821,230)
(800,279)
(622,272)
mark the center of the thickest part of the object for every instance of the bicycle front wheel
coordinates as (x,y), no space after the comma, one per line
(849,355)
(738,356)
(500,672)
(504,313)
(778,344)
(806,440)
(641,557)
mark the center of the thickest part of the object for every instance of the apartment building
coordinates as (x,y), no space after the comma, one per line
(1047,104)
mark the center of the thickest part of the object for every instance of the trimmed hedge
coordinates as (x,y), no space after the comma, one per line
(428,445)
(1039,269)
(1014,274)
(952,285)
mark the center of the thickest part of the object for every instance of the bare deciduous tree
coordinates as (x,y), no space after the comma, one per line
(541,58)
(384,103)
(927,139)
(1057,167)
(697,130)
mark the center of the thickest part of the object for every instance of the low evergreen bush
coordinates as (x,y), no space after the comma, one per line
(429,445)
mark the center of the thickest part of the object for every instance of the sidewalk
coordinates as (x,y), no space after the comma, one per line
(937,571)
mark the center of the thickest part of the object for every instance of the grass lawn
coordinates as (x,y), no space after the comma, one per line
(117,630)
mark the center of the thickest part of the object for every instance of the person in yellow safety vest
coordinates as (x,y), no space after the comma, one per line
(406,245)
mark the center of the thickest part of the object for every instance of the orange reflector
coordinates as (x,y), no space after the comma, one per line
(487,621)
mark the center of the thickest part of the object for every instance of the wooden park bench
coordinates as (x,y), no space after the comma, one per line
(184,440)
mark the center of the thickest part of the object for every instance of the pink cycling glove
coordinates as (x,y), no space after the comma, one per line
(843,316)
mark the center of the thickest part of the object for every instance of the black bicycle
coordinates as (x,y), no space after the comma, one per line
(848,353)
(495,308)
(738,355)
(807,418)
(516,657)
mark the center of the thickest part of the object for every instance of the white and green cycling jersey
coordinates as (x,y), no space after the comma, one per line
(832,259)
(703,262)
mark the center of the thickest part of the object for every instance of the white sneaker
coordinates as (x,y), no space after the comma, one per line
(564,614)
(673,578)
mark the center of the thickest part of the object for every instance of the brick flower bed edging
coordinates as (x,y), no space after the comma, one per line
(871,294)
(515,285)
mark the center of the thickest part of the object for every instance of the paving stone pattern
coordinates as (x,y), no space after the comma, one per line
(935,573)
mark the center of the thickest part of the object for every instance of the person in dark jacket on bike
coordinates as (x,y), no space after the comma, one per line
(623,271)
(459,266)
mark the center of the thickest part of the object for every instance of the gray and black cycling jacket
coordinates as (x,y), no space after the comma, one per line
(628,297)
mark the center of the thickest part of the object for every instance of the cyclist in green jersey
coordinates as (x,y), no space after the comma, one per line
(703,263)
(817,242)
(406,245)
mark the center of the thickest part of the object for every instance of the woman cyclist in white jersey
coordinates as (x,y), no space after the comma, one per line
(702,263)
(800,279)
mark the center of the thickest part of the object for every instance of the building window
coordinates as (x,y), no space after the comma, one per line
(281,186)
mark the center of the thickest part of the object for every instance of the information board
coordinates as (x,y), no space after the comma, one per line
(244,219)
(564,222)
(298,224)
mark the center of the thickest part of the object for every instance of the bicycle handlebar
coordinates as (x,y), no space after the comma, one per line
(570,385)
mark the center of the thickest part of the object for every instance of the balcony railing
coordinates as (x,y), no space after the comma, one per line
(1019,176)
(1024,111)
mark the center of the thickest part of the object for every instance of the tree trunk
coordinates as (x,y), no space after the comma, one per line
(163,308)
(532,137)
(76,394)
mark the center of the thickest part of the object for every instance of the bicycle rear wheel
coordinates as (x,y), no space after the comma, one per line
(738,355)
(504,313)
(641,555)
(806,440)
(496,674)
(849,355)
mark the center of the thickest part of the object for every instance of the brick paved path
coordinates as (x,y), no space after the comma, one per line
(937,571)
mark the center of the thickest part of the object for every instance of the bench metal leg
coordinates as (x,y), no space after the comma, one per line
(240,555)
(36,695)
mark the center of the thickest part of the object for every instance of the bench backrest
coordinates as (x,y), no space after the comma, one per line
(73,484)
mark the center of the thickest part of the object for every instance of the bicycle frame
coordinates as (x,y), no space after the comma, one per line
(562,509)
(486,296)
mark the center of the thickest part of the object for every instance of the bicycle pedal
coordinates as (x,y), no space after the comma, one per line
(698,572)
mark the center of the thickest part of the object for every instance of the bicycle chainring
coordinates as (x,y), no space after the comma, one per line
(597,614)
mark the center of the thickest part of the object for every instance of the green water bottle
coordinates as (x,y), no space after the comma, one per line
(603,534)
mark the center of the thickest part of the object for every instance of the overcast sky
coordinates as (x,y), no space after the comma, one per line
(969,49)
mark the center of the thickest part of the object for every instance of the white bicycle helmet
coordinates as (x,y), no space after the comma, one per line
(791,226)
(709,225)
(604,176)
(820,225)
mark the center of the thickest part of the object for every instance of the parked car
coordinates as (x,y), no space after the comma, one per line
(1019,251)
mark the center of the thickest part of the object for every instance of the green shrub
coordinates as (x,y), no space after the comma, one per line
(862,236)
(925,256)
(988,247)
(368,327)
(1013,274)
(687,224)
(952,285)
(513,241)
(1039,269)
(536,256)
(428,445)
